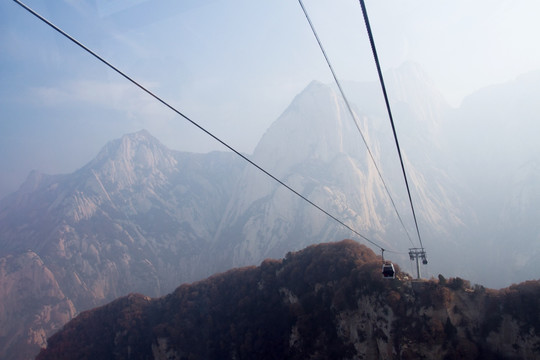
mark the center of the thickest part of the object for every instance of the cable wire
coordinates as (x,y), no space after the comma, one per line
(78,43)
(381,79)
(351,112)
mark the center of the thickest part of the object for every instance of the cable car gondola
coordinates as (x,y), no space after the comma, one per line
(388,271)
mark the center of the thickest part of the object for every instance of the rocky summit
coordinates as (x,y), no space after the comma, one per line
(328,301)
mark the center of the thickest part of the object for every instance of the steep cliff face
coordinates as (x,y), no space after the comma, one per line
(32,303)
(316,148)
(328,301)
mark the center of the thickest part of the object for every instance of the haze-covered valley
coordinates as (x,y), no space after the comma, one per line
(143,218)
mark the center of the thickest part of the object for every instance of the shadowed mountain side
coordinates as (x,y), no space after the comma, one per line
(327,301)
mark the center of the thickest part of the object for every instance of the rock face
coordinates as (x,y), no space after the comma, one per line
(315,147)
(32,304)
(328,301)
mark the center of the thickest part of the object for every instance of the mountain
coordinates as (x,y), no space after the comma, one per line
(315,147)
(142,218)
(328,301)
(492,137)
(139,217)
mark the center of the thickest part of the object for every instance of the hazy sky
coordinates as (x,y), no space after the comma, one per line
(233,66)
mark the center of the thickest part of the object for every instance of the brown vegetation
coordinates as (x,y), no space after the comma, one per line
(327,301)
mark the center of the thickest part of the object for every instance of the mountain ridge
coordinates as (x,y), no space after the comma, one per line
(326,301)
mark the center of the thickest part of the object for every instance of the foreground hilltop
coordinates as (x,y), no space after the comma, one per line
(327,301)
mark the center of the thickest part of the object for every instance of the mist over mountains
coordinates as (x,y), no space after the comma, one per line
(143,218)
(494,134)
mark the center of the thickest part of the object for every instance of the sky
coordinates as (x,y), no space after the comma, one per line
(232,66)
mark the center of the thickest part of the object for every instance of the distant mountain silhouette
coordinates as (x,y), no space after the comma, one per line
(328,301)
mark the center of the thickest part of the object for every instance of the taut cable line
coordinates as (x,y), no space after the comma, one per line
(353,116)
(166,104)
(381,79)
